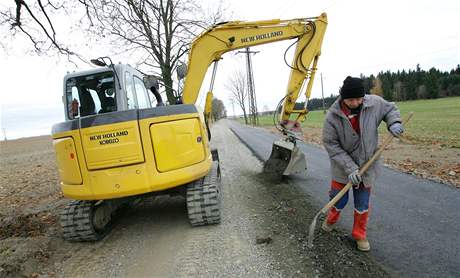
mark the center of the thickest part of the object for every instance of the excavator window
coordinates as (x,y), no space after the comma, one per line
(90,95)
(130,91)
(141,93)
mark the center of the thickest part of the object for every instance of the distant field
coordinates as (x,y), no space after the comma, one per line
(434,121)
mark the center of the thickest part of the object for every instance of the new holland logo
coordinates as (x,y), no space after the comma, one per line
(261,36)
(108,138)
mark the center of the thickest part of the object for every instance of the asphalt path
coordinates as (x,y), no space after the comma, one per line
(414,226)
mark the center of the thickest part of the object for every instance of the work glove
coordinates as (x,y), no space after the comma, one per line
(396,129)
(355,178)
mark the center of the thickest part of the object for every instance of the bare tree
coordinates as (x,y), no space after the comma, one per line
(32,19)
(158,32)
(236,84)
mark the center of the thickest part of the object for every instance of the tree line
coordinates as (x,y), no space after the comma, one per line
(404,85)
(414,84)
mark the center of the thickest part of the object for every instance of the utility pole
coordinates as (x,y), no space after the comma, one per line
(253,114)
(4,134)
(232,101)
(322,93)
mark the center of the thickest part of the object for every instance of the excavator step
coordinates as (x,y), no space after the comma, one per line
(203,198)
(77,222)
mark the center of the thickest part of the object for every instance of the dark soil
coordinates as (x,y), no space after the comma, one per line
(288,213)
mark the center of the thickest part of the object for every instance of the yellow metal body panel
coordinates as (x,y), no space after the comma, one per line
(137,177)
(208,105)
(112,145)
(177,144)
(67,161)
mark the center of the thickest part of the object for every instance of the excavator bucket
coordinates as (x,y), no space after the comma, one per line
(286,159)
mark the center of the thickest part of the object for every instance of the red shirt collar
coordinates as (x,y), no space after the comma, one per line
(345,108)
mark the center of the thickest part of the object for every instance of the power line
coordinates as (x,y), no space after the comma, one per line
(232,101)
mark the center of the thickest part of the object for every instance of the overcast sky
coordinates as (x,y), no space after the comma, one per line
(362,37)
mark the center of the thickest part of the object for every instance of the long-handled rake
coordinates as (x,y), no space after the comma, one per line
(311,230)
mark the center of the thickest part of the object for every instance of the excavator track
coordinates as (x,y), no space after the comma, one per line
(203,198)
(77,222)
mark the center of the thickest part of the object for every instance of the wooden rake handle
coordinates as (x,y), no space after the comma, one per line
(363,169)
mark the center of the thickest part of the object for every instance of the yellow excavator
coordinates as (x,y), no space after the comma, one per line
(115,146)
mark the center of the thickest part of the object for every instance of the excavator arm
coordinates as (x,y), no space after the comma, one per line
(222,38)
(286,158)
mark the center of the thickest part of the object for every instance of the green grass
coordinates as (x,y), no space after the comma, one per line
(314,119)
(434,121)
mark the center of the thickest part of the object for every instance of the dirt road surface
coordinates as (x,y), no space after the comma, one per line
(154,239)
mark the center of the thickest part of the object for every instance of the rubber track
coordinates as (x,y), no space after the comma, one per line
(76,222)
(203,198)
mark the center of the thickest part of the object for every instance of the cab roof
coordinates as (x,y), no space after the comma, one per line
(118,68)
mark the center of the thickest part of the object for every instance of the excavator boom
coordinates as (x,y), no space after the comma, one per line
(214,42)
(219,39)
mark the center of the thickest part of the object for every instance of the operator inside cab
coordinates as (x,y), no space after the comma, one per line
(90,95)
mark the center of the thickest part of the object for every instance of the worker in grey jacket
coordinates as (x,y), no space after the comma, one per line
(350,136)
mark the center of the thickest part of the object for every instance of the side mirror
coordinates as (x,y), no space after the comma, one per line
(181,71)
(99,62)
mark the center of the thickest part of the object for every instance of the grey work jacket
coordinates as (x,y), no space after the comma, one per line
(348,151)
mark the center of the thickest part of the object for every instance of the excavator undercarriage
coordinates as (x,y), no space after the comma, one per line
(92,220)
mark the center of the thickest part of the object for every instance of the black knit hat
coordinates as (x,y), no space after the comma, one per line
(352,88)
